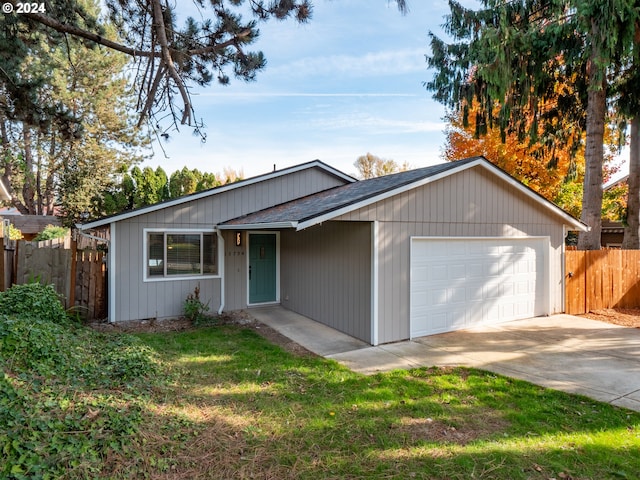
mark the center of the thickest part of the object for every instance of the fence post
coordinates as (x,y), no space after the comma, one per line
(72,282)
(2,270)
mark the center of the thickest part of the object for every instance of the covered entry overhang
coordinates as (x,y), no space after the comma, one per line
(324,272)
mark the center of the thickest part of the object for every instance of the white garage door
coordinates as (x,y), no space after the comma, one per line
(464,282)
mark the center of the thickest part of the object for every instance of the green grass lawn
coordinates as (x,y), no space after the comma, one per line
(238,406)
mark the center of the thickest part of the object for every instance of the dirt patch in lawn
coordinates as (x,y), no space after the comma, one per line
(240,317)
(626,317)
(467,429)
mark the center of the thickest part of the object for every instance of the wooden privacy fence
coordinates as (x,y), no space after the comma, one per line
(7,248)
(79,276)
(597,279)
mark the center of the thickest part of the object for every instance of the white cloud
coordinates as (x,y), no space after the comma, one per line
(268,94)
(371,64)
(373,124)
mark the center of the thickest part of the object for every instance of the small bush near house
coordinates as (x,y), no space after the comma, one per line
(194,309)
(50,232)
(69,397)
(33,300)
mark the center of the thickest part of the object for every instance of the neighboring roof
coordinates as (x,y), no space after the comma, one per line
(9,211)
(612,227)
(32,224)
(214,191)
(4,193)
(617,183)
(319,207)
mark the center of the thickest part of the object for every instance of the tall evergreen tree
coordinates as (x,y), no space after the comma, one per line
(518,52)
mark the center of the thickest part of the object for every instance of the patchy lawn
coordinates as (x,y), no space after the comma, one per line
(238,400)
(239,406)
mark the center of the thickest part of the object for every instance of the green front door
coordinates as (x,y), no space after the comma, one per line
(262,267)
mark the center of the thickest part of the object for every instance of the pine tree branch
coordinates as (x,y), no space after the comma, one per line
(99,39)
(161,33)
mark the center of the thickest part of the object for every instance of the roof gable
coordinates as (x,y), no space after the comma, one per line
(217,190)
(319,207)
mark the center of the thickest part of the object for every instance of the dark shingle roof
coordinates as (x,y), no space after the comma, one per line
(213,191)
(327,201)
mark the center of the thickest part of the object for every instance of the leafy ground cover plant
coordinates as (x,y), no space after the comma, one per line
(33,300)
(69,396)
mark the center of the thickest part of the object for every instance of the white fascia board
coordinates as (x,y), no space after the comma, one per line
(4,193)
(258,226)
(217,190)
(570,221)
(328,168)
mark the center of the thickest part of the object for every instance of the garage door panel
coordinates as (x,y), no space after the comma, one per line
(438,297)
(459,283)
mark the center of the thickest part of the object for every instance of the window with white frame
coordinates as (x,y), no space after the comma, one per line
(173,254)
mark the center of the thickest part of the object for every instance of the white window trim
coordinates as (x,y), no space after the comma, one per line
(145,253)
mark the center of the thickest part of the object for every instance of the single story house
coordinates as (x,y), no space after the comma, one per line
(414,253)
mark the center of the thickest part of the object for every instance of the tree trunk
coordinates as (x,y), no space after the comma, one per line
(594,150)
(631,239)
(48,189)
(28,194)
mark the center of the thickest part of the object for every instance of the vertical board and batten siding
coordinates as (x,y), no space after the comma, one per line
(235,267)
(136,299)
(471,203)
(325,274)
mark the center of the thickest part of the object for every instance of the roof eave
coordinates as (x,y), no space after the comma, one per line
(259,226)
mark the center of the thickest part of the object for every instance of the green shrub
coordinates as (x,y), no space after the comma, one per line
(33,300)
(50,232)
(14,233)
(194,309)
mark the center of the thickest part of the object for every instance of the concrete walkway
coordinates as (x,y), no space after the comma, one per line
(572,354)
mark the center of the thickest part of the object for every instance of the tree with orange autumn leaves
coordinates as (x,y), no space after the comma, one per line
(555,173)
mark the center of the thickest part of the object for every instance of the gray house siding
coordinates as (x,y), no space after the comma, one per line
(472,203)
(235,267)
(325,274)
(137,299)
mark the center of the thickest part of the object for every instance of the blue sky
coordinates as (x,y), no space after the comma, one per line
(346,83)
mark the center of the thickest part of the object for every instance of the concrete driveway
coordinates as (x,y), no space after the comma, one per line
(572,354)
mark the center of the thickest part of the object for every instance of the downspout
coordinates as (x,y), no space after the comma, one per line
(374,283)
(221,258)
(112,274)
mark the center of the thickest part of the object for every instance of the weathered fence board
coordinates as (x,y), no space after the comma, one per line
(45,265)
(79,276)
(90,287)
(598,279)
